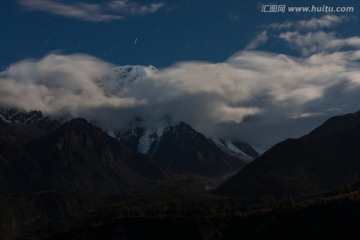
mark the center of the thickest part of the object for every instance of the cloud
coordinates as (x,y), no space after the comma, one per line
(313,42)
(234,17)
(313,36)
(133,8)
(258,97)
(113,10)
(259,40)
(58,84)
(327,21)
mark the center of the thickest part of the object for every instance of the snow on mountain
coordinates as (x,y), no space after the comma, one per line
(284,60)
(32,118)
(229,148)
(180,148)
(2,118)
(120,78)
(145,140)
(150,138)
(141,140)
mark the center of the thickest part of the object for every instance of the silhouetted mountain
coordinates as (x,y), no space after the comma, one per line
(48,176)
(326,159)
(174,143)
(341,123)
(18,169)
(18,133)
(60,185)
(76,152)
(80,143)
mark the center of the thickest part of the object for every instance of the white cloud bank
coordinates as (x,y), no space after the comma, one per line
(254,96)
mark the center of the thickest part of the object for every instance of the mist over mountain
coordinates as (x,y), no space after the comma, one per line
(116,83)
(250,92)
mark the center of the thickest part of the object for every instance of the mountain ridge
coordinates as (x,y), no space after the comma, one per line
(312,164)
(177,148)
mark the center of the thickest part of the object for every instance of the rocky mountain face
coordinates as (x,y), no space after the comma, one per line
(181,149)
(323,160)
(177,148)
(76,152)
(51,171)
(46,176)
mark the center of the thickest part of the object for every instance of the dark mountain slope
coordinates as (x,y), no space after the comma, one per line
(18,133)
(63,173)
(79,152)
(167,147)
(18,170)
(340,123)
(301,166)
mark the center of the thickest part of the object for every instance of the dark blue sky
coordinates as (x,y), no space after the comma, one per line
(181,30)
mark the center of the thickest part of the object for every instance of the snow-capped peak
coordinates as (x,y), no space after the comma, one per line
(32,118)
(283,59)
(120,78)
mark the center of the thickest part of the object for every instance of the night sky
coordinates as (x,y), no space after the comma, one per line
(204,30)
